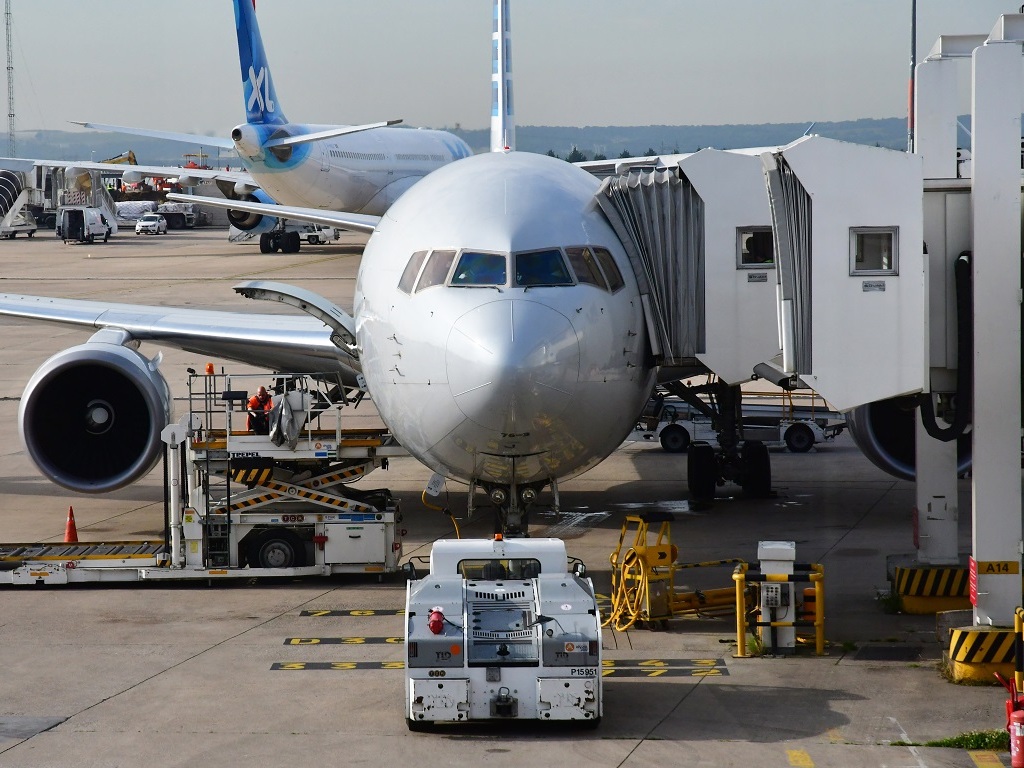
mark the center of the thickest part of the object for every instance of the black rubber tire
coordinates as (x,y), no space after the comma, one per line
(757,469)
(799,438)
(701,472)
(292,243)
(277,549)
(674,438)
(265,244)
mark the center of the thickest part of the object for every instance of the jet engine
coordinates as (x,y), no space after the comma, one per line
(92,415)
(884,432)
(249,221)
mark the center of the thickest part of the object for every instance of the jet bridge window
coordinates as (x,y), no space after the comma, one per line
(584,264)
(412,269)
(435,272)
(483,269)
(755,247)
(539,268)
(874,251)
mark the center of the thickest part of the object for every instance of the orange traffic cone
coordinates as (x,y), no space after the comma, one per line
(70,531)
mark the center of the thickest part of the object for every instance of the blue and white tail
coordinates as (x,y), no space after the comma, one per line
(261,104)
(503,121)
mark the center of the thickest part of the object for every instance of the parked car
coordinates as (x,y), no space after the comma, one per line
(151,223)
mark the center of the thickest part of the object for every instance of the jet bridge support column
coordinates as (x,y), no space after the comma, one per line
(937,509)
(998,81)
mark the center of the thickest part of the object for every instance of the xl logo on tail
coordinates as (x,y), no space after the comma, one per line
(260,90)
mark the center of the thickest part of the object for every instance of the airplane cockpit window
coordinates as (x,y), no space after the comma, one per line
(411,270)
(537,268)
(436,270)
(611,271)
(584,264)
(481,269)
(755,247)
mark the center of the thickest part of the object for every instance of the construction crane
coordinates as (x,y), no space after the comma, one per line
(10,81)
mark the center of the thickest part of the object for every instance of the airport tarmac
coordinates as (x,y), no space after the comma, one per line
(125,675)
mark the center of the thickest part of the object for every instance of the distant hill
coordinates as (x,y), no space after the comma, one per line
(610,141)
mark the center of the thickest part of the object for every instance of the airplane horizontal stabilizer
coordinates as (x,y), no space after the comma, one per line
(186,138)
(291,141)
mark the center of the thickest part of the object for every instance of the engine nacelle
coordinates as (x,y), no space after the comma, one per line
(248,140)
(884,431)
(247,221)
(132,177)
(92,415)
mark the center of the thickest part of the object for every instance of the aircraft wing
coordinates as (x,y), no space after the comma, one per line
(157,171)
(279,342)
(187,138)
(356,222)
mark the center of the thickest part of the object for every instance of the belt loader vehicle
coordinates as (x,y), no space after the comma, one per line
(502,630)
(244,504)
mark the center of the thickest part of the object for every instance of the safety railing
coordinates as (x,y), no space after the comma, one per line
(803,573)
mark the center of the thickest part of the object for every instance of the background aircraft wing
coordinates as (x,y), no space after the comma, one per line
(355,222)
(157,171)
(279,342)
(223,142)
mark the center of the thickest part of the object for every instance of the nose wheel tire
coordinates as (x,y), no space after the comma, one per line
(701,472)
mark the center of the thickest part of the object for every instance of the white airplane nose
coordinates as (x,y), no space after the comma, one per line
(513,365)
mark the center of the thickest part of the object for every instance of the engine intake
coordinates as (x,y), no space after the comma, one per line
(246,221)
(91,416)
(884,432)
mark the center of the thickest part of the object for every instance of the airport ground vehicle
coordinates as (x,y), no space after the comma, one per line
(151,223)
(84,224)
(502,630)
(314,234)
(776,423)
(240,504)
(22,223)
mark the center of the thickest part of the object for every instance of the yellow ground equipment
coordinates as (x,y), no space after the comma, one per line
(643,577)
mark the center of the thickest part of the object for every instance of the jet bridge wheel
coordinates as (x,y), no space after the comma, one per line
(276,549)
(757,469)
(701,472)
(674,438)
(799,438)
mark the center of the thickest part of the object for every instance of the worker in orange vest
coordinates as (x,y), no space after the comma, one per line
(259,406)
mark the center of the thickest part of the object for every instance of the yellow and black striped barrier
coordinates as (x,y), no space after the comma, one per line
(931,589)
(976,653)
(802,574)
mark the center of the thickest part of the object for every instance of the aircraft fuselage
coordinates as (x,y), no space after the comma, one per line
(500,326)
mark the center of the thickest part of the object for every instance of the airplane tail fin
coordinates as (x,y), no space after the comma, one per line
(503,122)
(261,104)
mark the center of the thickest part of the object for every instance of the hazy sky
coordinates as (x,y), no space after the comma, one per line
(174,66)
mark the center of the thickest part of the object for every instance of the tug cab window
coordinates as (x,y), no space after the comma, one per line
(436,270)
(538,268)
(755,247)
(412,269)
(493,570)
(873,251)
(584,264)
(611,271)
(483,269)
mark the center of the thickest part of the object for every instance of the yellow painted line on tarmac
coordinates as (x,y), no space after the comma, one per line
(986,759)
(835,736)
(798,758)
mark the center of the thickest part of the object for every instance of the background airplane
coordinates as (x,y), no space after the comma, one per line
(359,169)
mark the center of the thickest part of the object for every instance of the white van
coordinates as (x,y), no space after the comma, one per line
(79,223)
